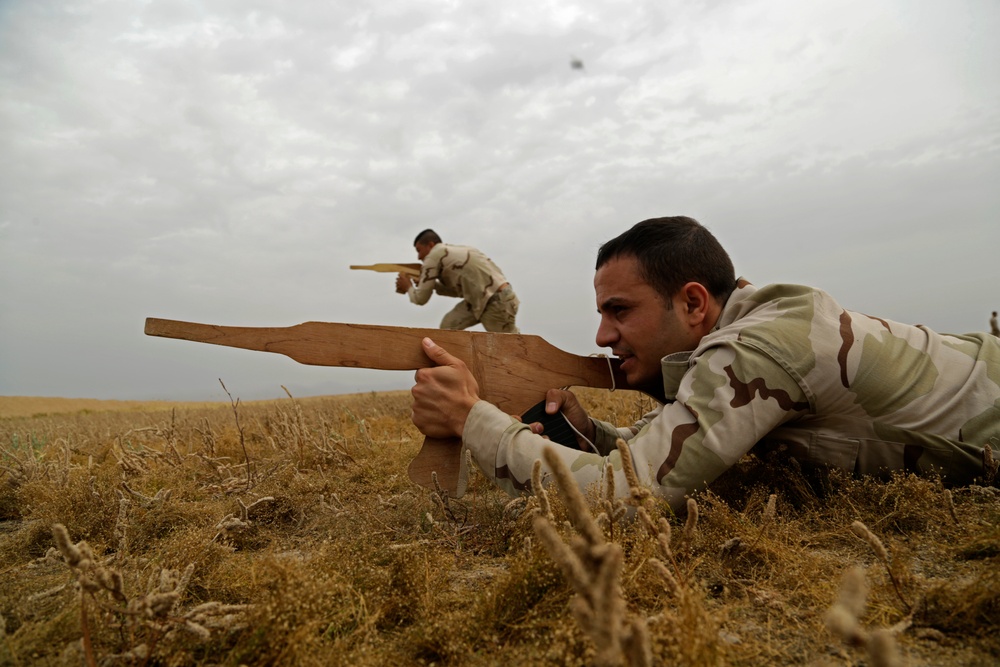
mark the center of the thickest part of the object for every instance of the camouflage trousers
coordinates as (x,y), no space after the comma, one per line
(499,315)
(957,463)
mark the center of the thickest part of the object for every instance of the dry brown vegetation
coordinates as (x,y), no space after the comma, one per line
(287,532)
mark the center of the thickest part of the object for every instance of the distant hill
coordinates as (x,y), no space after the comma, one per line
(28,406)
(33,406)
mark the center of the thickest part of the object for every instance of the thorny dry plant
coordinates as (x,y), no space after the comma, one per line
(843,620)
(143,620)
(334,557)
(862,531)
(593,567)
(239,429)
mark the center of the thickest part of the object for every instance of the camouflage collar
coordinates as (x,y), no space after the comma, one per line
(676,365)
(733,309)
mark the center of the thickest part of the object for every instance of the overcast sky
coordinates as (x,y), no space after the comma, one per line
(226,161)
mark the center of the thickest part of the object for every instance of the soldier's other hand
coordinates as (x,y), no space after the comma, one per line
(444,394)
(557,400)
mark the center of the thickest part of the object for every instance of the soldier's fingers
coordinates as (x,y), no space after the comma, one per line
(439,355)
(557,399)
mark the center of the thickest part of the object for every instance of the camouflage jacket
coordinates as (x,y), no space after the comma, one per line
(460,271)
(787,365)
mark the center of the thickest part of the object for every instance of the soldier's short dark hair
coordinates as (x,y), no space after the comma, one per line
(672,252)
(427,236)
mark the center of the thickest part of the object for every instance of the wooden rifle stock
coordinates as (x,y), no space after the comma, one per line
(513,370)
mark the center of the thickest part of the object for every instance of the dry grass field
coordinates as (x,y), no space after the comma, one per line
(287,533)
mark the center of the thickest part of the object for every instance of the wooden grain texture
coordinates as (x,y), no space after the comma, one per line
(513,370)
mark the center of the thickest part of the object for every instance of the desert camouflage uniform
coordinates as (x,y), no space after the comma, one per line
(786,365)
(466,273)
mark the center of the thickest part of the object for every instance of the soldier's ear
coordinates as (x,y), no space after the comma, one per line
(697,303)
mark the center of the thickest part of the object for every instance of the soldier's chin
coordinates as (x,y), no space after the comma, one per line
(632,369)
(632,372)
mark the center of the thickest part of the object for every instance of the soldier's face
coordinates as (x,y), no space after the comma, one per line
(423,249)
(639,325)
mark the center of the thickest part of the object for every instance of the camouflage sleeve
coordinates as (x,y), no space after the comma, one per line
(505,449)
(607,434)
(430,270)
(444,290)
(731,396)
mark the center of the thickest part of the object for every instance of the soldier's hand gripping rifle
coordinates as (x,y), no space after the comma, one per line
(513,370)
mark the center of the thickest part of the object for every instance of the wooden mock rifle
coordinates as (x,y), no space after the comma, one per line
(412,270)
(513,370)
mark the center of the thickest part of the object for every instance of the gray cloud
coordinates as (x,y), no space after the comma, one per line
(226,161)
